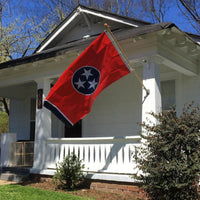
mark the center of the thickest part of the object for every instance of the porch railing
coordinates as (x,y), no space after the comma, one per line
(108,154)
(22,154)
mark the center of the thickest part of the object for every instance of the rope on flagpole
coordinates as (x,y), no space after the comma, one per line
(124,55)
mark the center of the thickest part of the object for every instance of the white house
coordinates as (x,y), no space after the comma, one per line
(166,59)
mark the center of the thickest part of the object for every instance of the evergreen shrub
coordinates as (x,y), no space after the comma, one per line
(169,161)
(69,173)
(3,122)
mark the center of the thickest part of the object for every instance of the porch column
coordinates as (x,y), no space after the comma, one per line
(5,143)
(151,79)
(42,124)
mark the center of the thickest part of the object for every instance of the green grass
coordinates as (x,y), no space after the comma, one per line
(18,192)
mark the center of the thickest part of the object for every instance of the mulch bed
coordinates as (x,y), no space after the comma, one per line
(47,184)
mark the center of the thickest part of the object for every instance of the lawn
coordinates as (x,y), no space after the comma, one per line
(18,192)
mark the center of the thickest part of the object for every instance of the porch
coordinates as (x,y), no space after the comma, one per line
(109,134)
(101,156)
(108,158)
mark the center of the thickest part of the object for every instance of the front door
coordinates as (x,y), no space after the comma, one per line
(74,131)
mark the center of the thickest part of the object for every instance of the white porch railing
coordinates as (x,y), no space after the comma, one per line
(108,154)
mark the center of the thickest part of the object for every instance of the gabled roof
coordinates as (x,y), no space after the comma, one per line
(85,15)
(120,35)
(129,28)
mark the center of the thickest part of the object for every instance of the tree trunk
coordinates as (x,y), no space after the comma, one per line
(5,105)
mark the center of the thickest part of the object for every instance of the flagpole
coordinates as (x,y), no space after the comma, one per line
(124,55)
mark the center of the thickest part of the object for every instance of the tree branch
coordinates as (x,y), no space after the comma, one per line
(189,9)
(6,106)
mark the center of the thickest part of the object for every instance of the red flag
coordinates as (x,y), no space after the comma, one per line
(71,98)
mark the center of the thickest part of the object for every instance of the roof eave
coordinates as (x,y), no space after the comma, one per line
(83,9)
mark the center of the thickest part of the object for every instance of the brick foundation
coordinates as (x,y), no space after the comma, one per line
(106,186)
(40,178)
(115,187)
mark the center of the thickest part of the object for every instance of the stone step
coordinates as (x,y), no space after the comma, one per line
(16,174)
(13,177)
(15,170)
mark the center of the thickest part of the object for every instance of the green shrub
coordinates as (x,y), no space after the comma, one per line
(170,159)
(3,122)
(69,173)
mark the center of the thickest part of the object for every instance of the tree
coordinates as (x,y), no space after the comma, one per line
(51,12)
(154,10)
(191,10)
(5,103)
(17,37)
(3,123)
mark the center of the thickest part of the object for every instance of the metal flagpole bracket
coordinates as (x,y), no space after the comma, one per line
(147,94)
(125,57)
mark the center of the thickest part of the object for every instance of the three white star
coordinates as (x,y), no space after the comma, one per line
(87,73)
(92,84)
(80,83)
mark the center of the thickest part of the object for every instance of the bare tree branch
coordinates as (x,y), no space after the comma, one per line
(190,10)
(6,106)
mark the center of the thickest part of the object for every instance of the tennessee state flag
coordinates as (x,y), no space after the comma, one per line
(71,98)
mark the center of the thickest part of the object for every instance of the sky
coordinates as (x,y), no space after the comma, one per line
(22,6)
(19,9)
(175,16)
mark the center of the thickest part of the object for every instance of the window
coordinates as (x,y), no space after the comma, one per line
(32,119)
(168,94)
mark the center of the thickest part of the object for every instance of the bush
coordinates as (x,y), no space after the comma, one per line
(3,122)
(69,173)
(170,159)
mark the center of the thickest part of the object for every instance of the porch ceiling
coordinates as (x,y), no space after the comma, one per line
(31,72)
(19,91)
(170,48)
(178,51)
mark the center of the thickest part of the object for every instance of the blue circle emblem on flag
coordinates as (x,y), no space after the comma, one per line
(86,79)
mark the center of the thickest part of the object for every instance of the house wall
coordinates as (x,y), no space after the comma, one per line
(19,118)
(116,110)
(57,127)
(187,90)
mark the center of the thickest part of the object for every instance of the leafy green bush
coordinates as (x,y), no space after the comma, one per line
(3,122)
(69,173)
(170,159)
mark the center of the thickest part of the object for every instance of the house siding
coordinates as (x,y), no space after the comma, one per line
(187,90)
(19,119)
(116,111)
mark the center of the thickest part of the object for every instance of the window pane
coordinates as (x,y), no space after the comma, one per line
(168,94)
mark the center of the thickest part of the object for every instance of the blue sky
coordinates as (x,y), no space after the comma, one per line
(172,15)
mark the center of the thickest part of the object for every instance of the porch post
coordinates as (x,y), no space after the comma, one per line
(42,124)
(151,79)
